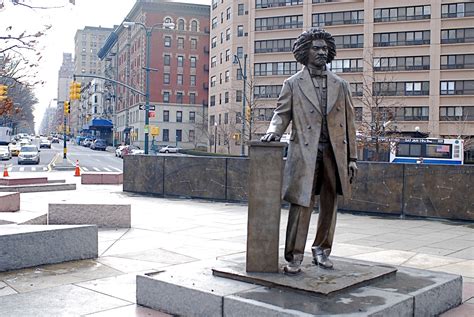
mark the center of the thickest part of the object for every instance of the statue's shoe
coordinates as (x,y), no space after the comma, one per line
(320,258)
(292,268)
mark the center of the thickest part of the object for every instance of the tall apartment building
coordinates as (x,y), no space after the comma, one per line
(416,57)
(64,78)
(88,42)
(179,74)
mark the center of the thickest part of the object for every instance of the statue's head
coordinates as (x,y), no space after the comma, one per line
(304,43)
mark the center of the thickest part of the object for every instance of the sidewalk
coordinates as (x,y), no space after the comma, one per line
(168,232)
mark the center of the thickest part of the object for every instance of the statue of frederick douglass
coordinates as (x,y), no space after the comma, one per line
(322,151)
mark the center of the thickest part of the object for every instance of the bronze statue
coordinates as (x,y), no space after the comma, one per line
(322,150)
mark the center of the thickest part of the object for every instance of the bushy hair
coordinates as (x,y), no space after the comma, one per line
(304,42)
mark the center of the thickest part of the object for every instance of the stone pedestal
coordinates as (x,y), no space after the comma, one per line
(263,228)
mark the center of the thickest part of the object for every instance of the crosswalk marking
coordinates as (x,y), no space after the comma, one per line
(22,169)
(107,169)
(33,169)
(10,169)
(117,169)
(45,168)
(96,169)
(85,168)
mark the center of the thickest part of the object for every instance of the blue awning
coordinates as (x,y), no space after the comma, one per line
(100,123)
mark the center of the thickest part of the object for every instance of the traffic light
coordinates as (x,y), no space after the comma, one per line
(66,107)
(3,92)
(236,136)
(248,113)
(75,91)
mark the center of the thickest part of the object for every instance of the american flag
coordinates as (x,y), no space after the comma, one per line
(442,148)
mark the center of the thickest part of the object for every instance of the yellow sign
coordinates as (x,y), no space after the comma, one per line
(155,131)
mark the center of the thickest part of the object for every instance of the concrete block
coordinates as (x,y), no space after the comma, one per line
(31,245)
(13,181)
(39,220)
(37,188)
(102,178)
(102,215)
(9,202)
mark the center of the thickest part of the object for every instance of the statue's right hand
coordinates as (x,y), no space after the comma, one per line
(269,137)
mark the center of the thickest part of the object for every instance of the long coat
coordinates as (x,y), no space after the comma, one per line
(298,104)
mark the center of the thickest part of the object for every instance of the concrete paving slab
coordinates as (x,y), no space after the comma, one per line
(158,256)
(392,257)
(467,253)
(30,245)
(130,265)
(130,311)
(465,310)
(346,274)
(425,261)
(122,286)
(464,268)
(6,290)
(66,300)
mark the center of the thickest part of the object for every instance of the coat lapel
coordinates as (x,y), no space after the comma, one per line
(332,91)
(308,89)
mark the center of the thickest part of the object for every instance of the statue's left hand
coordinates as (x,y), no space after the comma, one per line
(352,171)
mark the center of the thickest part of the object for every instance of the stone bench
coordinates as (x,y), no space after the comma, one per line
(102,215)
(9,202)
(102,178)
(23,246)
(13,181)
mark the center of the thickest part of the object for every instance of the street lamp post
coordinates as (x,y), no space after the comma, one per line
(215,137)
(148,33)
(244,77)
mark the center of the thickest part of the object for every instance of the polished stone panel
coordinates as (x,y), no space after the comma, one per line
(102,215)
(237,179)
(29,245)
(102,178)
(441,191)
(263,227)
(9,202)
(200,177)
(346,274)
(143,174)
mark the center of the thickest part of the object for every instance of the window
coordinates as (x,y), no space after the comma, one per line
(181,24)
(412,114)
(357,89)
(240,9)
(268,91)
(401,88)
(409,149)
(264,114)
(193,44)
(401,63)
(192,80)
(457,87)
(347,65)
(226,97)
(192,135)
(276,3)
(461,61)
(214,42)
(338,18)
(193,61)
(402,13)
(212,120)
(349,41)
(166,116)
(179,135)
(457,36)
(358,114)
(213,81)
(227,55)
(166,78)
(227,76)
(227,34)
(213,100)
(181,42)
(167,60)
(192,116)
(179,80)
(180,61)
(238,96)
(274,46)
(457,10)
(213,61)
(239,74)
(214,23)
(226,118)
(222,37)
(192,98)
(456,113)
(166,135)
(280,22)
(179,116)
(402,38)
(228,13)
(167,41)
(240,52)
(166,96)
(179,97)
(277,68)
(240,30)
(194,26)
(222,17)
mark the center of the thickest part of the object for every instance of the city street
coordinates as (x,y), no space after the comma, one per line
(89,160)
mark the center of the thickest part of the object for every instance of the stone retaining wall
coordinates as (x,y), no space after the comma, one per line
(440,191)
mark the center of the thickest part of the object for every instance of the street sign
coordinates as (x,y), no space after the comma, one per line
(151,114)
(155,130)
(143,107)
(145,128)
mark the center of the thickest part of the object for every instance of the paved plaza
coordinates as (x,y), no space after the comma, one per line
(170,231)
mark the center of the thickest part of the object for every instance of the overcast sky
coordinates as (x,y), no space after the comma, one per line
(60,38)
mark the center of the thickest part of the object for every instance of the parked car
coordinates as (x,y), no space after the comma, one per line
(87,142)
(169,149)
(131,150)
(15,148)
(118,150)
(55,140)
(5,153)
(45,143)
(99,144)
(29,154)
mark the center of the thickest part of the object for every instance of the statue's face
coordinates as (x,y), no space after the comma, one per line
(318,54)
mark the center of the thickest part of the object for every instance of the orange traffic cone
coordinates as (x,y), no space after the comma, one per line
(5,171)
(78,170)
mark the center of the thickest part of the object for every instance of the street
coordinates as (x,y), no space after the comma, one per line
(89,160)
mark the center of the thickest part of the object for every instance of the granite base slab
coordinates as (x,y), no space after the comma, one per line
(48,187)
(9,202)
(23,246)
(312,279)
(192,290)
